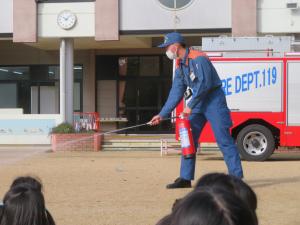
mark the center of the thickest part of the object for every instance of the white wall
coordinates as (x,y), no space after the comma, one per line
(274,17)
(6,16)
(26,128)
(47,19)
(150,15)
(136,15)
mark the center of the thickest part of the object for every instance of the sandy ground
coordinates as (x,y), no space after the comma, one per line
(128,188)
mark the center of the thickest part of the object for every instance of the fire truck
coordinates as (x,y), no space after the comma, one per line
(263,94)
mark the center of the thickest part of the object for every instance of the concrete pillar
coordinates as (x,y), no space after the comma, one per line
(106,20)
(62,80)
(66,79)
(24,21)
(244,18)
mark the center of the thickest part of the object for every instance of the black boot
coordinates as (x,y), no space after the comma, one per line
(180,183)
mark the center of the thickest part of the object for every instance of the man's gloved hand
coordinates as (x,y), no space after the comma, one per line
(187,111)
(155,120)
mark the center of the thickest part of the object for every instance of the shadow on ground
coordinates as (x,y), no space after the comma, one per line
(274,181)
(277,157)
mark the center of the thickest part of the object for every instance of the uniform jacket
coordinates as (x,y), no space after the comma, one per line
(196,72)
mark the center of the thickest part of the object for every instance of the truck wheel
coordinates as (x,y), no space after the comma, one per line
(255,142)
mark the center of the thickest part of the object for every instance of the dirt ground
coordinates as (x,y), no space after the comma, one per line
(128,188)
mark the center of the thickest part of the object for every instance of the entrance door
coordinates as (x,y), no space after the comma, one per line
(143,84)
(143,100)
(148,81)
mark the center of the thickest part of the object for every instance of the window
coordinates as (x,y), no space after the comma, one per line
(10,91)
(35,88)
(175,4)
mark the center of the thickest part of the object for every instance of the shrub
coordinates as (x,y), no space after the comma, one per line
(63,128)
(66,128)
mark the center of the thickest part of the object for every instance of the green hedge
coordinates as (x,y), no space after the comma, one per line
(66,128)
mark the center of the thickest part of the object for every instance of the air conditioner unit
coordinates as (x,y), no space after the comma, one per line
(292,4)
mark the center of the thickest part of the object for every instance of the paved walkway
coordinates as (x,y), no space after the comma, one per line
(13,154)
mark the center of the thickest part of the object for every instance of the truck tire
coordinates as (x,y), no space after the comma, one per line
(255,142)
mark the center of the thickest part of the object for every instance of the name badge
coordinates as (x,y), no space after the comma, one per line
(192,76)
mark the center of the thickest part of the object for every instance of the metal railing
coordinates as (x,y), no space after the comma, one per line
(86,121)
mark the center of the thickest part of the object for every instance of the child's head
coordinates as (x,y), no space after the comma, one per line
(230,183)
(24,205)
(212,206)
(165,220)
(28,190)
(31,182)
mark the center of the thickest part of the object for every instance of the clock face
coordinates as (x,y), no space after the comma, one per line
(66,20)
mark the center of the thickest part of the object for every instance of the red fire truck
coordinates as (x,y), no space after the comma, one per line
(263,95)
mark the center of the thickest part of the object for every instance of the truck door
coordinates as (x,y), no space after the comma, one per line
(292,131)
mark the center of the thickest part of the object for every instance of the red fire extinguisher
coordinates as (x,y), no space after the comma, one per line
(186,137)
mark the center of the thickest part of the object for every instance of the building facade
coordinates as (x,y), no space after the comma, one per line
(59,57)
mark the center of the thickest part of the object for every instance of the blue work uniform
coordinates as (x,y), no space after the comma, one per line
(208,103)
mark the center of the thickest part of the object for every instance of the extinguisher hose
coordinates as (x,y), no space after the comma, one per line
(114,131)
(135,126)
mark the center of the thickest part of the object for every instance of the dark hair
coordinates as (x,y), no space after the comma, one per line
(24,205)
(183,45)
(165,220)
(32,182)
(1,210)
(230,183)
(212,206)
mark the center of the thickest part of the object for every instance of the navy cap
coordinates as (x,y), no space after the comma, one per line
(172,38)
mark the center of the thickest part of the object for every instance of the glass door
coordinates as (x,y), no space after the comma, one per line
(144,94)
(142,87)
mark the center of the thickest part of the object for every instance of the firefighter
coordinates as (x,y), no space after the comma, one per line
(197,80)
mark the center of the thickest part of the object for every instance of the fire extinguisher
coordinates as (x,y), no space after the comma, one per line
(186,137)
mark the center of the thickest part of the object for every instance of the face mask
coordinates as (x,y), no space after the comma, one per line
(171,55)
